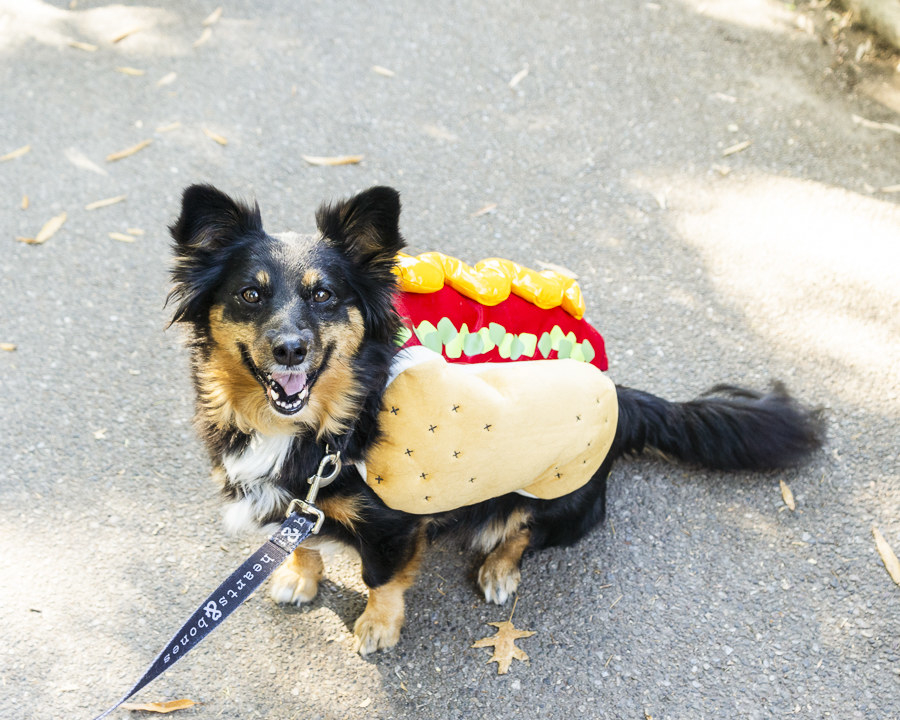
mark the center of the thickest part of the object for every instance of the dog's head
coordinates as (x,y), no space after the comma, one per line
(278,321)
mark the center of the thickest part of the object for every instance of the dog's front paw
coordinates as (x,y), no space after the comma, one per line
(297,580)
(375,630)
(498,578)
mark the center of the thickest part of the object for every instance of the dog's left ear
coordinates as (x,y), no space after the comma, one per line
(366,226)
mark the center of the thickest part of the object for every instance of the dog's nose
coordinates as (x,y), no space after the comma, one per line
(290,350)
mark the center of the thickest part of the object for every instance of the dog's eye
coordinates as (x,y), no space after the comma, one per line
(321,296)
(251,295)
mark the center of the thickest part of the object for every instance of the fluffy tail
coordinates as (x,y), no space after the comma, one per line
(726,428)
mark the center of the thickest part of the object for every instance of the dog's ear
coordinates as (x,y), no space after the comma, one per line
(210,224)
(365,227)
(211,220)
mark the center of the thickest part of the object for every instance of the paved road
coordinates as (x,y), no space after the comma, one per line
(695,162)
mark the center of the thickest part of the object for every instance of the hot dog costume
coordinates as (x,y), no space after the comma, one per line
(461,421)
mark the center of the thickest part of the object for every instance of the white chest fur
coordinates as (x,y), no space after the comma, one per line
(253,471)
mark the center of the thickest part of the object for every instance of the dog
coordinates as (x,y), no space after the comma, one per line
(292,339)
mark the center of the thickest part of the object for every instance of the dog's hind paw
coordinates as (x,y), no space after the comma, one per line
(498,579)
(297,581)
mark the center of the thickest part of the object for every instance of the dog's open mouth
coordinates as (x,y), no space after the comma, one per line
(287,391)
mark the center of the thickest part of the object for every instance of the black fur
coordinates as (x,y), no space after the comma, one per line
(729,429)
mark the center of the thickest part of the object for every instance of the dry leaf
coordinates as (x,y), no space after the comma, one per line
(134,231)
(519,77)
(80,160)
(104,203)
(121,237)
(130,71)
(740,147)
(787,495)
(485,210)
(168,128)
(15,153)
(887,555)
(332,161)
(383,71)
(214,136)
(875,125)
(8,347)
(204,36)
(78,45)
(561,269)
(160,707)
(128,152)
(504,644)
(167,79)
(214,16)
(120,37)
(25,202)
(46,232)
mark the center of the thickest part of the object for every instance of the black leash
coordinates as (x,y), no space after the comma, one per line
(243,581)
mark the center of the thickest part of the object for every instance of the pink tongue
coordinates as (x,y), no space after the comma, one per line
(291,383)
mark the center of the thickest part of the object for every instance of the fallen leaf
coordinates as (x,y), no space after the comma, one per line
(160,707)
(519,77)
(787,495)
(214,136)
(121,36)
(8,347)
(25,202)
(128,152)
(130,71)
(167,79)
(383,71)
(490,207)
(168,128)
(204,36)
(213,17)
(15,153)
(332,161)
(875,125)
(887,555)
(46,232)
(105,203)
(121,237)
(134,231)
(78,45)
(561,269)
(79,159)
(504,644)
(734,149)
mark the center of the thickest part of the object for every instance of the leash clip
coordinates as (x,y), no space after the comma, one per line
(315,482)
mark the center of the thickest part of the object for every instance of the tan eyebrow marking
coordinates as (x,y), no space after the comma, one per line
(262,277)
(311,278)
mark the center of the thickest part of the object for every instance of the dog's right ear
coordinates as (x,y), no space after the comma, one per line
(211,220)
(210,223)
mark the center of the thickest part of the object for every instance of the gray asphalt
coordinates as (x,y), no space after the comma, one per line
(615,156)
